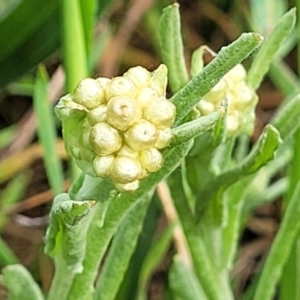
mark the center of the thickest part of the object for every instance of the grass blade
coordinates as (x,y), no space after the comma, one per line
(46,131)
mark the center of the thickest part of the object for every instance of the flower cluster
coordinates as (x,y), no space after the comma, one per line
(120,125)
(241,101)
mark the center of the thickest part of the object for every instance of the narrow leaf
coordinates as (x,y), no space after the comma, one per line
(263,59)
(46,131)
(172,47)
(184,284)
(280,249)
(286,119)
(192,129)
(186,98)
(121,250)
(20,284)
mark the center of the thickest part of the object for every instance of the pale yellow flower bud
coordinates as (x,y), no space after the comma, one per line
(97,114)
(141,135)
(103,81)
(102,165)
(145,94)
(237,73)
(151,159)
(205,107)
(123,112)
(120,86)
(164,138)
(125,169)
(105,139)
(89,93)
(160,112)
(138,75)
(127,151)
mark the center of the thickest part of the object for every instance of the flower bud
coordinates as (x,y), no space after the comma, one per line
(102,165)
(205,107)
(97,114)
(160,112)
(138,75)
(125,169)
(105,139)
(151,159)
(141,135)
(145,94)
(89,93)
(164,138)
(123,112)
(120,86)
(237,73)
(103,81)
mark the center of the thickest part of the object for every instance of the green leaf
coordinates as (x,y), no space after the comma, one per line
(121,250)
(7,256)
(47,131)
(74,43)
(262,152)
(27,43)
(184,284)
(264,57)
(100,234)
(186,98)
(172,47)
(286,118)
(280,249)
(153,258)
(66,235)
(20,284)
(192,129)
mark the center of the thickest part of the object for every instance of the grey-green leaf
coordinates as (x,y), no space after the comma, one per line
(172,47)
(184,283)
(20,284)
(264,57)
(67,232)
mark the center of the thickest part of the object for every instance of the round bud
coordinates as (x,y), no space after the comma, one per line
(123,112)
(244,95)
(205,107)
(89,93)
(105,139)
(141,135)
(125,169)
(145,94)
(151,159)
(102,165)
(164,138)
(138,75)
(120,86)
(232,123)
(160,112)
(97,114)
(127,187)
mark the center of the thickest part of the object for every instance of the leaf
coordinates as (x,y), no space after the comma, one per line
(172,47)
(121,250)
(192,129)
(262,152)
(47,131)
(20,284)
(186,98)
(154,256)
(286,118)
(280,249)
(264,57)
(183,282)
(66,234)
